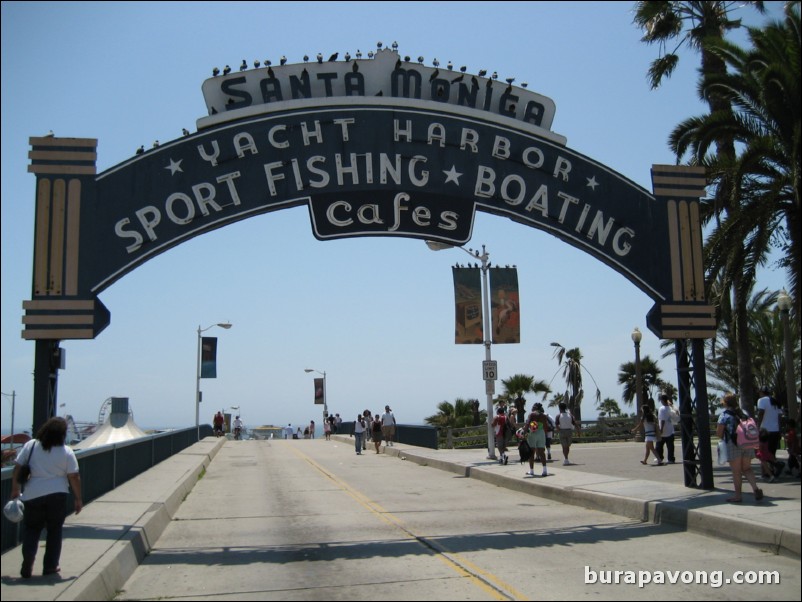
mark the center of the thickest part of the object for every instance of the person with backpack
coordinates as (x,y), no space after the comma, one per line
(500,428)
(735,428)
(536,438)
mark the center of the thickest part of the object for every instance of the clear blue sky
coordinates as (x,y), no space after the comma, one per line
(375,313)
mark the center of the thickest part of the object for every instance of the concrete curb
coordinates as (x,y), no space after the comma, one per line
(110,572)
(151,505)
(649,509)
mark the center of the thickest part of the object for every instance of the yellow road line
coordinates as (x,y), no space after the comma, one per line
(488,582)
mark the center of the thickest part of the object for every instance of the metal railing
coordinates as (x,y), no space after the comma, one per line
(602,429)
(104,468)
(591,431)
(418,435)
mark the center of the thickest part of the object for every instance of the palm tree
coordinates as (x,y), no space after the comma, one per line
(762,181)
(570,360)
(695,23)
(650,379)
(609,407)
(517,385)
(763,86)
(684,23)
(556,400)
(460,414)
(766,338)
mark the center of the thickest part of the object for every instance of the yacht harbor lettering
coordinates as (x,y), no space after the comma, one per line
(333,163)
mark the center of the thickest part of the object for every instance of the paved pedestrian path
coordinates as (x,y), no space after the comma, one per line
(107,541)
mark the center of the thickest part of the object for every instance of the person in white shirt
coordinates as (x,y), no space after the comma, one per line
(665,432)
(566,424)
(388,426)
(768,418)
(359,431)
(53,472)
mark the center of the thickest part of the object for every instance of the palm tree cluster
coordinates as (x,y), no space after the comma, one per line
(749,141)
(460,414)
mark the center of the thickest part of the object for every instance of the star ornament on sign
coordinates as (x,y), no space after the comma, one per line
(174,167)
(592,183)
(452,175)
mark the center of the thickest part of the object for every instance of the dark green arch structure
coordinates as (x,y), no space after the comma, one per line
(417,158)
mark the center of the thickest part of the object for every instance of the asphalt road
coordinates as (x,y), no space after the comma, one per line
(311,520)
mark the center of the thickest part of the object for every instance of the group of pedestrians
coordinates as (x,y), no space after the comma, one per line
(219,424)
(535,434)
(376,427)
(659,431)
(331,425)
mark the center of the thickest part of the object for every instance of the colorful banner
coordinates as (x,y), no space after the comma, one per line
(468,303)
(208,357)
(320,391)
(505,307)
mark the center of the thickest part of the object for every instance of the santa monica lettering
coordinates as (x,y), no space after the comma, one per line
(384,75)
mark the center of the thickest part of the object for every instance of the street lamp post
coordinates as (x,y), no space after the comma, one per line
(225,325)
(484,257)
(784,305)
(636,338)
(325,400)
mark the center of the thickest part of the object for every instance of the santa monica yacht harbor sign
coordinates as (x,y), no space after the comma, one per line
(382,146)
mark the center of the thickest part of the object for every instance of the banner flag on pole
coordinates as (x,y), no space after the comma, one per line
(209,357)
(505,306)
(320,391)
(468,304)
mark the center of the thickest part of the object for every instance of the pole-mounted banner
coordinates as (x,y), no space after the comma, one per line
(505,305)
(320,391)
(468,327)
(209,357)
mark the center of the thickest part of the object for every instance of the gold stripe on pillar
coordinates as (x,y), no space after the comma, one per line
(73,236)
(42,237)
(56,267)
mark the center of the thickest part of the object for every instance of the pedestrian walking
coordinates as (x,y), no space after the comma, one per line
(499,424)
(367,416)
(359,431)
(53,472)
(376,432)
(536,426)
(665,432)
(219,422)
(566,425)
(739,458)
(649,425)
(388,426)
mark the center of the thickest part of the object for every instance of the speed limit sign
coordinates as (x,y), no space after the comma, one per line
(490,369)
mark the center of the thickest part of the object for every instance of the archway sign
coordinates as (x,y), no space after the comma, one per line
(373,147)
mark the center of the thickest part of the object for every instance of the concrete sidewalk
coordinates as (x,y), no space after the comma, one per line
(107,541)
(610,478)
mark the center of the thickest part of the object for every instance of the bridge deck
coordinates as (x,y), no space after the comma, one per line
(106,543)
